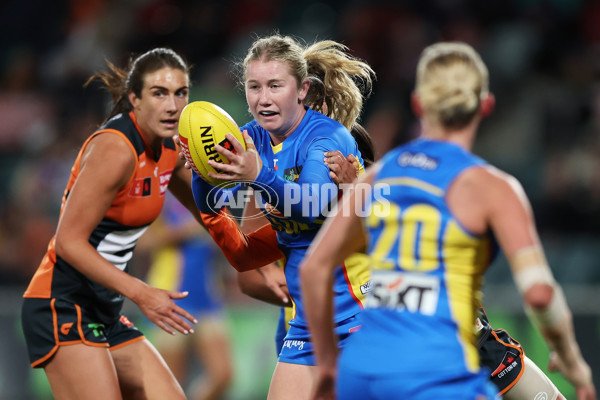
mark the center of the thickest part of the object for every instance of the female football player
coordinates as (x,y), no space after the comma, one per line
(284,166)
(71,312)
(430,212)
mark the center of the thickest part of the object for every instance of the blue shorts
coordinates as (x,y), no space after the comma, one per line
(281,331)
(352,385)
(298,349)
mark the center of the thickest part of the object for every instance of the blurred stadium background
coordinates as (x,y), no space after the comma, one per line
(544,61)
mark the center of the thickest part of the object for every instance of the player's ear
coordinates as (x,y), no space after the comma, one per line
(415,104)
(133,99)
(303,91)
(487,105)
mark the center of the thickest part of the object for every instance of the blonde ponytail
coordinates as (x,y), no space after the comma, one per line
(346,81)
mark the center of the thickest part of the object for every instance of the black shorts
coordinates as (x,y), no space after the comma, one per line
(503,356)
(49,323)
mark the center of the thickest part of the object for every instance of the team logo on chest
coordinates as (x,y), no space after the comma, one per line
(292,174)
(141,187)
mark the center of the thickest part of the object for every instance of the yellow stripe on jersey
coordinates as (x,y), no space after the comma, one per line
(288,313)
(358,275)
(417,183)
(165,272)
(466,259)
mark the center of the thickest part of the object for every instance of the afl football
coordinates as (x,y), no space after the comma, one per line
(202,125)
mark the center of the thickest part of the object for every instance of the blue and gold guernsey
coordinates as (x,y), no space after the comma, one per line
(294,186)
(426,273)
(294,191)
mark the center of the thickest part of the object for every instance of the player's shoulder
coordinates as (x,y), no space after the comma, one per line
(494,176)
(112,148)
(320,126)
(319,120)
(490,182)
(251,126)
(116,141)
(256,132)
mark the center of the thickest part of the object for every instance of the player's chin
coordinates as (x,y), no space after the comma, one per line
(168,130)
(269,125)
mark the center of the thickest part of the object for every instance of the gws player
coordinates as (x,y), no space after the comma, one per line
(71,313)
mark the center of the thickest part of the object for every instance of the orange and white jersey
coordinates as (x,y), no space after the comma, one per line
(136,205)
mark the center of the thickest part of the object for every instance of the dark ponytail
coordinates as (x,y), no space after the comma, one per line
(364,142)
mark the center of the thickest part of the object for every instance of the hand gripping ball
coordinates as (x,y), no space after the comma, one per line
(202,125)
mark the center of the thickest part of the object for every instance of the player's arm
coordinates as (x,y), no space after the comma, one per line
(341,235)
(106,167)
(314,190)
(243,251)
(510,216)
(246,165)
(266,283)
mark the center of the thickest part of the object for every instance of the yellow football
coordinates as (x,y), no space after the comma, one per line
(202,125)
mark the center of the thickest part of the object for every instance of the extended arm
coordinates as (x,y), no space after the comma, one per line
(180,186)
(266,284)
(243,251)
(511,218)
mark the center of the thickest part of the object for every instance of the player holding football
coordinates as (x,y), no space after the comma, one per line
(286,144)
